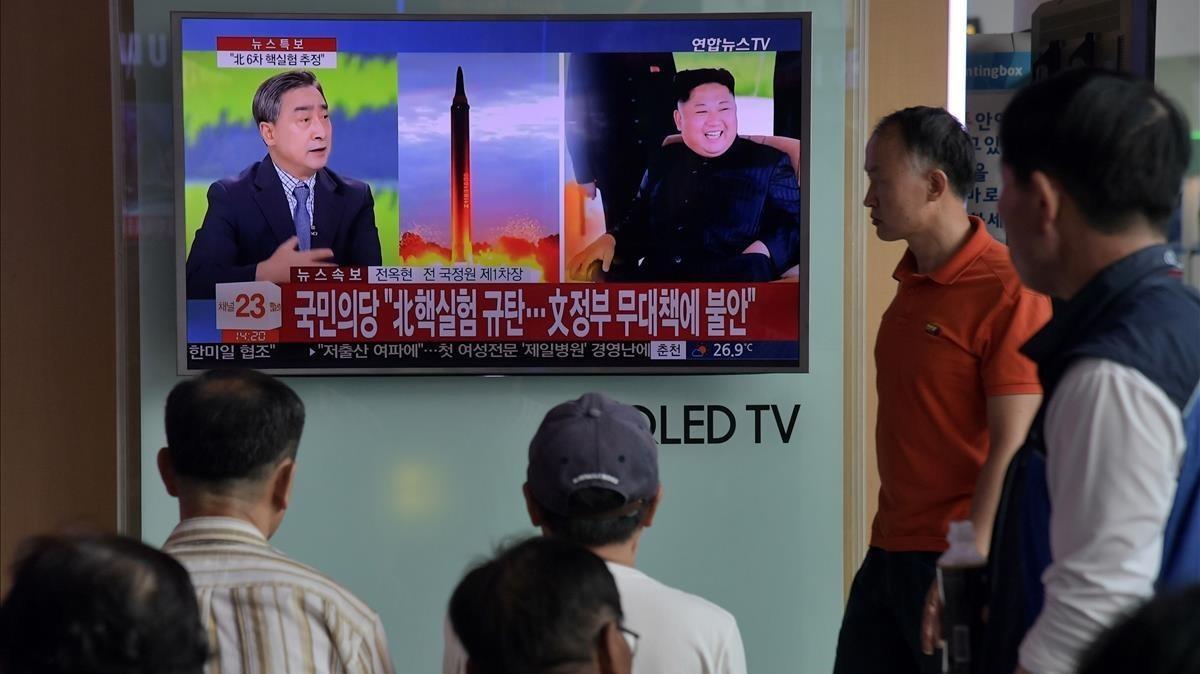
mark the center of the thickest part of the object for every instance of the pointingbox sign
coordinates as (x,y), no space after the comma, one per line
(1005,70)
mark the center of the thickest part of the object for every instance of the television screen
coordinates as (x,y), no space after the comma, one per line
(505,194)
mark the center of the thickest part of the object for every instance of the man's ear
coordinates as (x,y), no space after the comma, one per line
(267,131)
(167,472)
(678,120)
(531,506)
(937,184)
(281,484)
(613,654)
(1047,196)
(652,508)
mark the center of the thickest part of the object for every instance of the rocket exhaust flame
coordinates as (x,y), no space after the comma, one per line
(517,246)
(507,251)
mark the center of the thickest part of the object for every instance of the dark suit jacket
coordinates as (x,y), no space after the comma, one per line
(619,107)
(694,216)
(248,218)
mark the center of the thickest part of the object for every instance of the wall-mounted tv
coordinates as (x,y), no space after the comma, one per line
(490,195)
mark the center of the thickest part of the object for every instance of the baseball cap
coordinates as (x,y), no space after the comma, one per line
(593,441)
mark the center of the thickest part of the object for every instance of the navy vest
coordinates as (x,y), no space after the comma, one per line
(1137,313)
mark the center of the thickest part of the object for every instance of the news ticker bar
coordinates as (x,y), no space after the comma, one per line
(501,355)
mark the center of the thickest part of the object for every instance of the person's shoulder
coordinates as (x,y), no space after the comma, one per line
(257,565)
(339,605)
(1163,311)
(1088,374)
(345,183)
(333,590)
(668,159)
(670,153)
(1169,294)
(760,154)
(242,180)
(685,605)
(702,609)
(997,268)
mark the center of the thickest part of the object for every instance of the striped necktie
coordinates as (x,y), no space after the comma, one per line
(301,217)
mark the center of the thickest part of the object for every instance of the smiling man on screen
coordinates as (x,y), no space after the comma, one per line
(715,207)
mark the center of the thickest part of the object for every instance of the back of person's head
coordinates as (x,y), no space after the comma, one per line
(99,603)
(687,80)
(269,95)
(543,605)
(593,471)
(231,426)
(1118,146)
(1162,636)
(935,140)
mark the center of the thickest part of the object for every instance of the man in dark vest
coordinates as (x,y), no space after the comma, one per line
(1099,509)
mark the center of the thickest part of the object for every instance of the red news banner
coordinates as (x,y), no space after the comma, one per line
(276,51)
(343,306)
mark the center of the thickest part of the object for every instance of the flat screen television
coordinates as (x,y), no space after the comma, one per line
(490,195)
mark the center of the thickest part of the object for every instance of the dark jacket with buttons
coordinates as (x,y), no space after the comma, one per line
(694,216)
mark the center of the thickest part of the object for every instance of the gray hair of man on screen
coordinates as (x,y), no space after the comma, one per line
(270,93)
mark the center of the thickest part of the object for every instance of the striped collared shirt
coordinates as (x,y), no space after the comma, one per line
(267,614)
(289,186)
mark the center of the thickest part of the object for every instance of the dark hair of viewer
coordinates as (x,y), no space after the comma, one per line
(934,137)
(1163,636)
(1118,146)
(100,603)
(596,517)
(536,606)
(231,424)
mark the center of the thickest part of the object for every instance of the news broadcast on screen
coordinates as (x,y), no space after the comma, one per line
(492,195)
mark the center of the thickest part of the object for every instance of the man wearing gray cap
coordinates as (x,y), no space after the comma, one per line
(592,479)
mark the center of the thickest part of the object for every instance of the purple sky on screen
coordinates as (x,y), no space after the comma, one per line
(516,114)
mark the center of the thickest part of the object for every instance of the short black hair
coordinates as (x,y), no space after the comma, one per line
(687,80)
(935,137)
(537,605)
(1160,637)
(596,516)
(270,93)
(1118,146)
(231,424)
(100,603)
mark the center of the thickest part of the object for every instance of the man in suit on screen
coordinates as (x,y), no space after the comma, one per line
(287,210)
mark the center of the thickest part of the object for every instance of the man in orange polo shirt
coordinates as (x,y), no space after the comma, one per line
(955,395)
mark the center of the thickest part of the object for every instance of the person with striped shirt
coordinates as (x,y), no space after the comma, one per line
(230,459)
